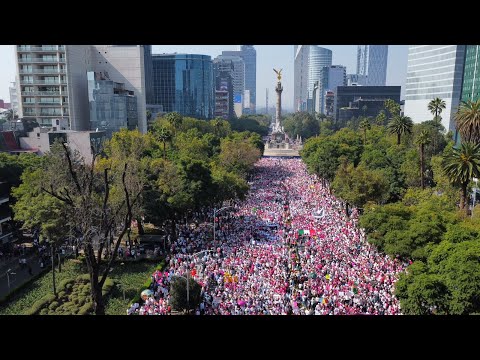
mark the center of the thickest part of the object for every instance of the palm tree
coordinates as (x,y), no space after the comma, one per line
(422,139)
(217,125)
(364,126)
(164,135)
(461,165)
(436,106)
(10,114)
(400,125)
(175,119)
(467,120)
(381,117)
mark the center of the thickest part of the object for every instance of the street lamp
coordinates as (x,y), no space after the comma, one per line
(8,277)
(186,278)
(475,180)
(215,211)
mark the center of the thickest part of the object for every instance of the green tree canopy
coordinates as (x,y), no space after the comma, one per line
(468,121)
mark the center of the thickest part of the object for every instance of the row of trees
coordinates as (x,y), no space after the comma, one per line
(412,184)
(180,166)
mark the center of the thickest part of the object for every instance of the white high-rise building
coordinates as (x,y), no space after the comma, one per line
(301,53)
(372,64)
(52,80)
(309,62)
(434,71)
(13,96)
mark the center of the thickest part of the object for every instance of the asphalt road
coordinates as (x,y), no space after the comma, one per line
(18,276)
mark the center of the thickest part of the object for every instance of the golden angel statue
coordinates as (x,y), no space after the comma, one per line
(279,74)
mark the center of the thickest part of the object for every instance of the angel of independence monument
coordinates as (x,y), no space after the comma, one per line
(278,143)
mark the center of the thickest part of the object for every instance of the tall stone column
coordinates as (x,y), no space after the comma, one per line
(279,90)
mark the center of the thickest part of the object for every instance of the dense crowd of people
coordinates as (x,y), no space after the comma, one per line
(274,254)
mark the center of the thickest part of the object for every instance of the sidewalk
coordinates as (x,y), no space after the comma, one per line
(21,275)
(13,263)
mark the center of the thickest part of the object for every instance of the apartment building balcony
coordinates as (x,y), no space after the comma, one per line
(43,71)
(49,103)
(41,93)
(47,82)
(29,113)
(41,60)
(45,48)
(50,114)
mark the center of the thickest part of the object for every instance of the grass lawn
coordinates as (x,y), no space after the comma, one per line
(128,277)
(34,291)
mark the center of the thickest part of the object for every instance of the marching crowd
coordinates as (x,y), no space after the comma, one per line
(271,255)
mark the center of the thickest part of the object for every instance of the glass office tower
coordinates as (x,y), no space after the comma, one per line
(184,83)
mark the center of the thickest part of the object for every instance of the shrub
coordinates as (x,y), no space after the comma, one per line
(63,284)
(108,286)
(84,279)
(53,305)
(40,304)
(86,309)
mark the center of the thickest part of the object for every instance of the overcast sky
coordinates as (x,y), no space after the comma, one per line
(268,57)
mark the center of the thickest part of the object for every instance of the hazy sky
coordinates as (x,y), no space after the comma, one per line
(268,57)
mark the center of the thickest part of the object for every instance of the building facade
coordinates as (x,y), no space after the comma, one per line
(148,66)
(41,139)
(125,64)
(249,56)
(346,96)
(434,71)
(300,92)
(330,77)
(372,64)
(471,74)
(329,107)
(184,83)
(53,80)
(224,95)
(235,66)
(44,90)
(6,232)
(14,97)
(112,107)
(318,58)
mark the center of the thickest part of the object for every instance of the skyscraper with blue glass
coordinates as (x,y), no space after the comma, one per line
(184,83)
(471,74)
(372,64)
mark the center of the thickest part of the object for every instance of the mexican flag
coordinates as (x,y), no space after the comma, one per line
(304,232)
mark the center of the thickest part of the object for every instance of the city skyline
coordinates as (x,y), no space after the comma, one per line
(268,57)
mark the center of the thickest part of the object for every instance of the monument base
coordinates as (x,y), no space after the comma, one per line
(281,152)
(280,146)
